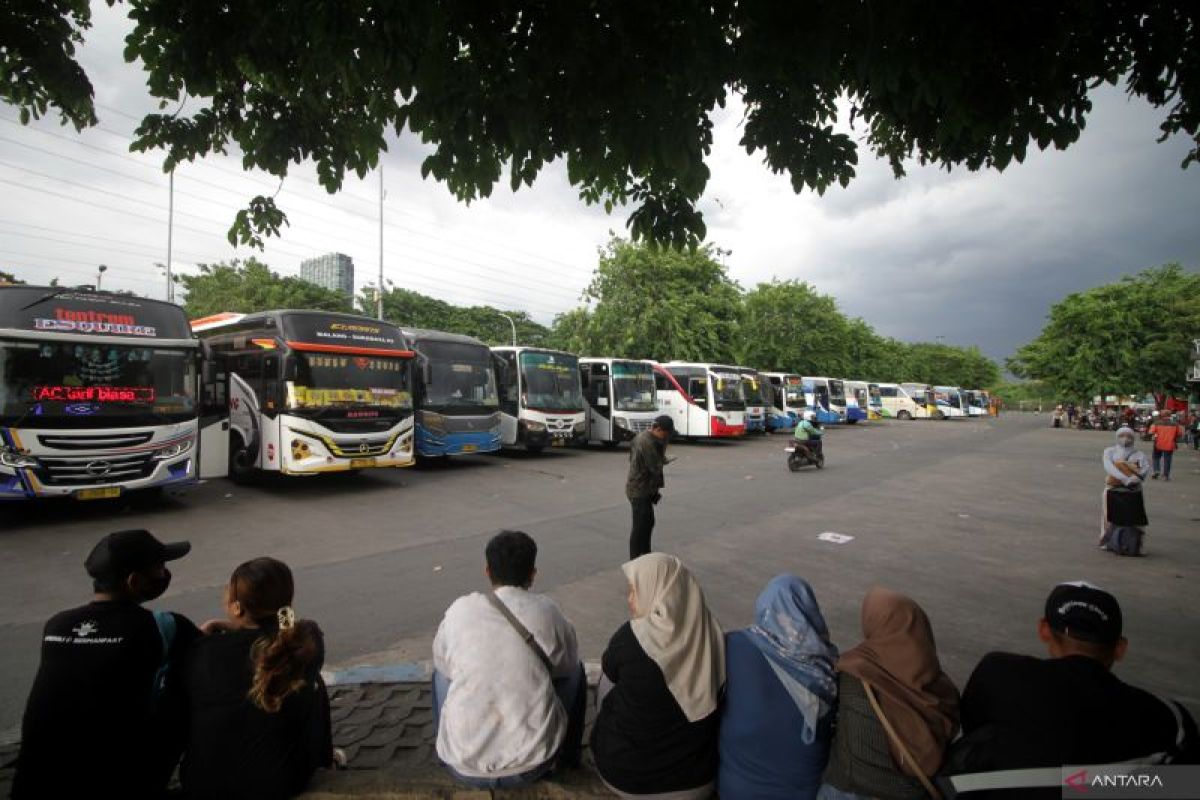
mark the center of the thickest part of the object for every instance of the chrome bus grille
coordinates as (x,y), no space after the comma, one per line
(93,469)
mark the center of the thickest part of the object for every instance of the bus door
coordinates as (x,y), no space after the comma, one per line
(597,393)
(510,395)
(212,458)
(245,417)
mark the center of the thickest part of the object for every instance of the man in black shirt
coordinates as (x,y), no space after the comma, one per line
(1020,712)
(647,457)
(101,720)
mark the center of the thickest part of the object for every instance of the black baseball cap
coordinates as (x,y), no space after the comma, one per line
(123,552)
(665,423)
(1085,612)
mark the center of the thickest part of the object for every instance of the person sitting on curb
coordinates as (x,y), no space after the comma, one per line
(259,723)
(509,691)
(656,728)
(781,698)
(1021,712)
(897,709)
(103,718)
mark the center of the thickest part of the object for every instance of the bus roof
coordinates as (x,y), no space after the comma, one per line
(84,313)
(520,348)
(430,335)
(317,331)
(703,365)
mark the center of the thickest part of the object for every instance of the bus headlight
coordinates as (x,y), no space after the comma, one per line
(11,458)
(433,421)
(534,427)
(621,422)
(177,449)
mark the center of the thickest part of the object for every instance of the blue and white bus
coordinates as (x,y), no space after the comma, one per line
(827,398)
(454,392)
(758,392)
(787,400)
(858,401)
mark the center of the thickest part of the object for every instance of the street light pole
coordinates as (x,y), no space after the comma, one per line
(100,276)
(379,294)
(170,235)
(513,324)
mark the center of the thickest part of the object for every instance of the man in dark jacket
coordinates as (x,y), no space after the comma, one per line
(647,457)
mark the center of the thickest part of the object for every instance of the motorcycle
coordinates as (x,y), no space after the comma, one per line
(799,455)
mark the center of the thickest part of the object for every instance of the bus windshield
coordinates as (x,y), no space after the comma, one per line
(755,390)
(794,393)
(727,392)
(338,381)
(94,385)
(461,375)
(633,387)
(837,392)
(550,381)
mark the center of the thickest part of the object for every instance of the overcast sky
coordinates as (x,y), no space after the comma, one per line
(976,258)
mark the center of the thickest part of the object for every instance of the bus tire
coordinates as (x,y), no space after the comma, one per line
(852,422)
(904,415)
(609,444)
(939,415)
(241,465)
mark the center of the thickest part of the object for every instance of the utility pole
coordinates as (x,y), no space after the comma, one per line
(170,236)
(100,276)
(513,324)
(379,293)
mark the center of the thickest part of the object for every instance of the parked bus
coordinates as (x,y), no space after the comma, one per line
(457,407)
(757,391)
(309,392)
(875,402)
(787,400)
(975,403)
(858,401)
(98,394)
(620,396)
(541,400)
(703,399)
(950,401)
(827,398)
(907,400)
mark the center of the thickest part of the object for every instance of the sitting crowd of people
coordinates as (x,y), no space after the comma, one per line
(685,710)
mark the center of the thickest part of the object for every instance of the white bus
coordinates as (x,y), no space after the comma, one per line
(620,397)
(757,392)
(309,392)
(858,401)
(827,398)
(704,400)
(976,405)
(541,400)
(951,401)
(98,394)
(788,401)
(875,401)
(906,400)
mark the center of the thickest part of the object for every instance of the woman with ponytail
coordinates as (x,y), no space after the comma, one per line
(259,723)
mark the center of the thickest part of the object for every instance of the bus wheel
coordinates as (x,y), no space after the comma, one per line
(939,415)
(609,444)
(903,415)
(241,464)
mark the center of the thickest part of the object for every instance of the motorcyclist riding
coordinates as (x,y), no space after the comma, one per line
(808,434)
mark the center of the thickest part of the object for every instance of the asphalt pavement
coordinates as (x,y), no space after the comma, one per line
(976,519)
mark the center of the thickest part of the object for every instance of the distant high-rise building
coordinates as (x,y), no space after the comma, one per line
(332,271)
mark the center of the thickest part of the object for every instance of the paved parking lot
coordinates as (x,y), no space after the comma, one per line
(977,519)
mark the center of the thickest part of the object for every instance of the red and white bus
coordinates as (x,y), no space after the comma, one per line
(704,400)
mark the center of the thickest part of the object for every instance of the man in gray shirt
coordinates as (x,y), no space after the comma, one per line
(647,457)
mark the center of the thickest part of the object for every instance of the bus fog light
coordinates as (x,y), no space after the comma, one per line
(11,458)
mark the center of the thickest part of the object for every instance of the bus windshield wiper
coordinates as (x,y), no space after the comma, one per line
(47,296)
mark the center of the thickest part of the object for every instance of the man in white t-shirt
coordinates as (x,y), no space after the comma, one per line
(506,714)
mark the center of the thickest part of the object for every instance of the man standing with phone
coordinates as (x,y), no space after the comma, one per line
(643,487)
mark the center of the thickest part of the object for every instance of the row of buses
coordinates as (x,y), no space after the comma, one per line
(103,394)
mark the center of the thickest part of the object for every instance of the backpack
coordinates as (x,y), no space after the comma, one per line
(166,629)
(1126,540)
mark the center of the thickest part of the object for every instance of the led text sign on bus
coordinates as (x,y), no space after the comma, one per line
(68,321)
(94,394)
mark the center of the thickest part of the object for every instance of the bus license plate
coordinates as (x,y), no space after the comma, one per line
(361,463)
(470,448)
(98,494)
(558,442)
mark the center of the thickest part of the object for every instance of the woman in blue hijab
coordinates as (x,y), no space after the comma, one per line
(781,695)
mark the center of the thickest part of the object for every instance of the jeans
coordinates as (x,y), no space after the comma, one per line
(1165,456)
(643,526)
(572,693)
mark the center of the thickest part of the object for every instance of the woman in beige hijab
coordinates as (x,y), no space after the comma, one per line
(656,730)
(897,709)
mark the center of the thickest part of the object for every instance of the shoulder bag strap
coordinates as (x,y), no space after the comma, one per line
(891,732)
(522,631)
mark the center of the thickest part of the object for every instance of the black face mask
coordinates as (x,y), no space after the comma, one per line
(154,586)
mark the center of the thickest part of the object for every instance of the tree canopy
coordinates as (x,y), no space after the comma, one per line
(648,301)
(250,285)
(1129,337)
(8,277)
(622,92)
(412,309)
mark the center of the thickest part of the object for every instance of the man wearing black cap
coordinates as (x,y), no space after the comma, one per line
(98,722)
(647,457)
(1020,712)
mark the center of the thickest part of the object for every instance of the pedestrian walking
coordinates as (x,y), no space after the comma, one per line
(643,487)
(1072,413)
(1166,434)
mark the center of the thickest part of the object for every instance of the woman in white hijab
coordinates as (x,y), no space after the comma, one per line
(1126,467)
(656,731)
